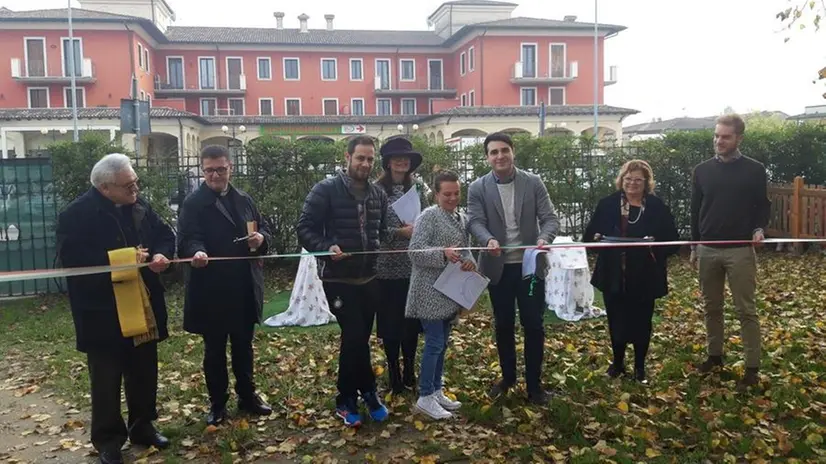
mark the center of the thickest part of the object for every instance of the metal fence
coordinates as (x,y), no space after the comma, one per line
(28,210)
(279,185)
(576,180)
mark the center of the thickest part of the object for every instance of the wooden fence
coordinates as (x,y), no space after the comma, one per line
(798,210)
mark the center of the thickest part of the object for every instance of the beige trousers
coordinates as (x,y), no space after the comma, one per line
(739,266)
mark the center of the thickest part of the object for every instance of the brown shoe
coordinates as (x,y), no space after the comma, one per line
(710,364)
(751,377)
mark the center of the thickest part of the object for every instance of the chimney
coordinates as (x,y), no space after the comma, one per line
(302,19)
(570,18)
(279,19)
(329,18)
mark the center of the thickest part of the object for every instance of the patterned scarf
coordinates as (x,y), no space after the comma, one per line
(625,211)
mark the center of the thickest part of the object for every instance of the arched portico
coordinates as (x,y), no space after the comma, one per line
(469,133)
(317,138)
(162,150)
(604,133)
(558,132)
(515,131)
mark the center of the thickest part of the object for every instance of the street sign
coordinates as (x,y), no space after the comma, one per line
(127,116)
(353,129)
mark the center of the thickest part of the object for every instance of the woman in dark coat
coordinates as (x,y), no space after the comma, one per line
(631,278)
(399,161)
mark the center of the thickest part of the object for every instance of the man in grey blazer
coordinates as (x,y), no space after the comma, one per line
(511,207)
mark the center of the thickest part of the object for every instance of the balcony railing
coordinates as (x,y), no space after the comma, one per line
(612,76)
(413,89)
(525,75)
(34,72)
(34,68)
(178,88)
(381,84)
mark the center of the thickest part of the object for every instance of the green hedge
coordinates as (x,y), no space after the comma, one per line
(279,173)
(72,165)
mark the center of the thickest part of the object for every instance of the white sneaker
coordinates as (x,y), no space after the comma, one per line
(429,406)
(445,402)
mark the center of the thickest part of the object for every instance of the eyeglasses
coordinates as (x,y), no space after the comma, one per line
(220,171)
(633,180)
(131,186)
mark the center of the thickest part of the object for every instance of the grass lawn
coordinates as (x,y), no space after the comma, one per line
(680,416)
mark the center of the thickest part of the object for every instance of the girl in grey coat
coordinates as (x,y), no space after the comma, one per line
(440,226)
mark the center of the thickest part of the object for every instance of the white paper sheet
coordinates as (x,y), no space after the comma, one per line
(461,286)
(569,258)
(529,261)
(568,290)
(408,207)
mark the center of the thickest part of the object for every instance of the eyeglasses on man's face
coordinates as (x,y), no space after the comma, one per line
(133,186)
(221,170)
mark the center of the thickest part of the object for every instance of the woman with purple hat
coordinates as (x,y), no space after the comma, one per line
(398,161)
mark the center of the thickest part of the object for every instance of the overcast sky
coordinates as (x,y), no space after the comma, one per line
(676,58)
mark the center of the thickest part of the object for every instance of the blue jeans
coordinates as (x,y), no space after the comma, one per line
(436,333)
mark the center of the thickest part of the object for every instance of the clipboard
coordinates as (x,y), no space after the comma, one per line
(612,239)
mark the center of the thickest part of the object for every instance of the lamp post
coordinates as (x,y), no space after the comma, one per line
(233,130)
(406,129)
(62,131)
(232,144)
(597,71)
(73,74)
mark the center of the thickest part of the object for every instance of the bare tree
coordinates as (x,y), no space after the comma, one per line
(801,14)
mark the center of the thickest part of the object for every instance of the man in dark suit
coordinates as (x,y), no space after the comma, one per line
(511,207)
(108,217)
(224,299)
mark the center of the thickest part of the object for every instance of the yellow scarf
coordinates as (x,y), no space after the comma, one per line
(132,298)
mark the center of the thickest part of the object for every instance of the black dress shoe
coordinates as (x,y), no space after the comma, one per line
(409,381)
(615,370)
(113,456)
(255,405)
(148,437)
(409,374)
(216,416)
(394,374)
(539,398)
(499,389)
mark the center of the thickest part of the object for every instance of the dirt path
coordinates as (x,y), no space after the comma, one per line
(36,427)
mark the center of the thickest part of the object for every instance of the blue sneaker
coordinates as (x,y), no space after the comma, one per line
(349,413)
(378,412)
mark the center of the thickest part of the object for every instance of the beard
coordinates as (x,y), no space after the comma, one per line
(357,174)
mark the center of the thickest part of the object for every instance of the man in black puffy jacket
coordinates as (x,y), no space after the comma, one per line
(342,215)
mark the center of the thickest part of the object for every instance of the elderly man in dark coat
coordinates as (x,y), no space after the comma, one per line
(224,299)
(110,217)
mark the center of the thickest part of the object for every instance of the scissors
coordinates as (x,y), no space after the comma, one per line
(242,239)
